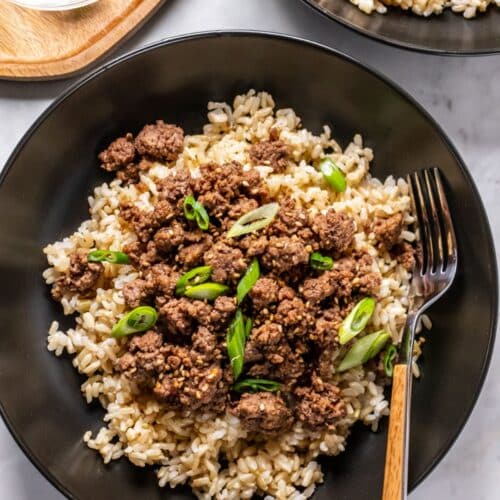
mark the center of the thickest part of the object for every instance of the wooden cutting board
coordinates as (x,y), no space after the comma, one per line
(48,45)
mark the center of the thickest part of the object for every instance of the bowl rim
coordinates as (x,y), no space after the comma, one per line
(58,6)
(398,44)
(209,34)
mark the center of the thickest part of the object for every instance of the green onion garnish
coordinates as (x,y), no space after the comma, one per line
(254,220)
(236,338)
(257,385)
(138,320)
(194,210)
(389,358)
(333,174)
(193,277)
(320,262)
(108,256)
(248,327)
(206,291)
(364,349)
(356,320)
(248,280)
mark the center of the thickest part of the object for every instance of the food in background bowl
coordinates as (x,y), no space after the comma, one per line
(468,8)
(238,295)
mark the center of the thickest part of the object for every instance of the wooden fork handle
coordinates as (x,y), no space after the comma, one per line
(395,461)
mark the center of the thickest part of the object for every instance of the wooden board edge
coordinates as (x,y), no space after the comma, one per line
(72,66)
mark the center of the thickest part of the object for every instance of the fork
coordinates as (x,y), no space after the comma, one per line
(434,271)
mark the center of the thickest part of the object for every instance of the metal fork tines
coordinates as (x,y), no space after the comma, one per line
(436,263)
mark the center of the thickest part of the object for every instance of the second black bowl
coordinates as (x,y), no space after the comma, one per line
(449,33)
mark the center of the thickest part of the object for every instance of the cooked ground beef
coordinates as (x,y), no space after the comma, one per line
(318,289)
(264,292)
(143,359)
(176,316)
(82,277)
(273,153)
(292,221)
(150,256)
(176,187)
(228,263)
(270,355)
(263,412)
(240,208)
(366,280)
(179,376)
(326,326)
(119,154)
(142,222)
(163,279)
(285,253)
(169,238)
(161,141)
(319,404)
(334,230)
(192,255)
(296,310)
(387,231)
(254,244)
(130,174)
(220,187)
(204,341)
(292,312)
(137,292)
(405,254)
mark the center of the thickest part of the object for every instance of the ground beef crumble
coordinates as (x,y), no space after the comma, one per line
(263,412)
(319,404)
(335,231)
(272,153)
(129,157)
(264,293)
(405,254)
(120,153)
(296,310)
(82,277)
(161,141)
(387,231)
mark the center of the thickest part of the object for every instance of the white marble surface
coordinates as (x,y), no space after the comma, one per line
(461,93)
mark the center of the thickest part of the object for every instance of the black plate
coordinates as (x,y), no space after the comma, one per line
(449,33)
(43,198)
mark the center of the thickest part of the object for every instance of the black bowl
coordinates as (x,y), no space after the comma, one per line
(54,168)
(448,34)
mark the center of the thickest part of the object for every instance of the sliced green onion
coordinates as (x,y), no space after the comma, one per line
(257,385)
(320,262)
(356,320)
(202,218)
(193,277)
(254,220)
(206,291)
(389,358)
(138,320)
(333,174)
(248,327)
(194,210)
(248,281)
(108,256)
(189,207)
(236,338)
(364,349)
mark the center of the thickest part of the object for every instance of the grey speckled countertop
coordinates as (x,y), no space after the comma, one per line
(462,94)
